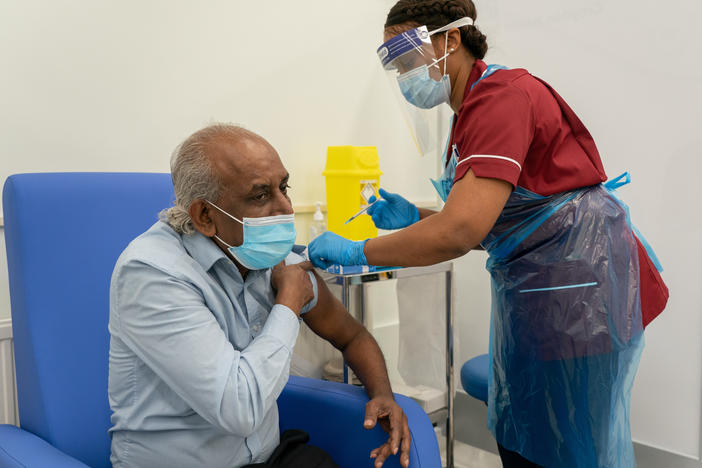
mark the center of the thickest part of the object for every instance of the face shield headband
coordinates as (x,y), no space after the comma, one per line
(414,40)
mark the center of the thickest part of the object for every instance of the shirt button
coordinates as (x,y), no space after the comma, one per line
(255,327)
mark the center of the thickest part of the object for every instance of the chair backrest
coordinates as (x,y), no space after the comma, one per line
(64,232)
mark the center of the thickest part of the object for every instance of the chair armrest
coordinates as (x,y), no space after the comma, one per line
(333,413)
(22,449)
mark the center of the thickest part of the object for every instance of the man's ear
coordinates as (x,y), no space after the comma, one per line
(200,213)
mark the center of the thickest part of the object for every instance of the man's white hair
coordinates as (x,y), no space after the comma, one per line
(193,174)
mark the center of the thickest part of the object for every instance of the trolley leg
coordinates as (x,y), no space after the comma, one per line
(345,286)
(449,371)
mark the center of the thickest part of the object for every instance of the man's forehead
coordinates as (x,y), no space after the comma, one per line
(246,162)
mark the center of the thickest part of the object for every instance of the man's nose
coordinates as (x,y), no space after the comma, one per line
(283,205)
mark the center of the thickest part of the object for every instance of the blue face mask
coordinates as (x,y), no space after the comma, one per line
(267,241)
(421,90)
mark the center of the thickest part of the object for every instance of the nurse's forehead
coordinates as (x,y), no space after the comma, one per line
(392,31)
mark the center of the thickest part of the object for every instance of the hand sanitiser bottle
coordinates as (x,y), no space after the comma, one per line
(318,225)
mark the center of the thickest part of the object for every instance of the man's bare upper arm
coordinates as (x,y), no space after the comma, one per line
(329,319)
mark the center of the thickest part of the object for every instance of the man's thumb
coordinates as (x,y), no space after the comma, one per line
(371,417)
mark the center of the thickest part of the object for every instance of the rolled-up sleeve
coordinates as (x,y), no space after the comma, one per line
(294,259)
(166,323)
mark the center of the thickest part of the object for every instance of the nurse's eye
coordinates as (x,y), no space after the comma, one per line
(261,196)
(284,188)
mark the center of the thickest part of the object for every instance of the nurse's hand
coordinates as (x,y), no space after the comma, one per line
(393,212)
(392,419)
(332,249)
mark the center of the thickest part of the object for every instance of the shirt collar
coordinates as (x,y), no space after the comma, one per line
(479,68)
(202,249)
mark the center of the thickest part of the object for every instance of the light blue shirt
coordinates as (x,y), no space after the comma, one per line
(198,356)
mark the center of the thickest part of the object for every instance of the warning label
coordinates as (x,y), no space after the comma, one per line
(367,190)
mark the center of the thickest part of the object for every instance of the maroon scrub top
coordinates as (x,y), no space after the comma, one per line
(514,127)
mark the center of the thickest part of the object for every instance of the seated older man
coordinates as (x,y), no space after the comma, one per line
(204,313)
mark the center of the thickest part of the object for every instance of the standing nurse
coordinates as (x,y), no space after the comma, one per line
(523,179)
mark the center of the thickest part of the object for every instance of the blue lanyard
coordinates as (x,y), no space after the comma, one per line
(489,71)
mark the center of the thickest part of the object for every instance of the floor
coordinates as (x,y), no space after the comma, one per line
(466,456)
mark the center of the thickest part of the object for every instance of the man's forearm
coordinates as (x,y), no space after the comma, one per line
(365,358)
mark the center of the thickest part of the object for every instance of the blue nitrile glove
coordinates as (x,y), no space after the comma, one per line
(392,213)
(332,249)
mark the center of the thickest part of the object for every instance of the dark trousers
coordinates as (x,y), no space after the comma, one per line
(293,452)
(514,460)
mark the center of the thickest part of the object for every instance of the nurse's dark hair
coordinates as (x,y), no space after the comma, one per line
(438,13)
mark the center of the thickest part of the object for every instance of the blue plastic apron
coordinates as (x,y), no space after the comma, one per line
(566,334)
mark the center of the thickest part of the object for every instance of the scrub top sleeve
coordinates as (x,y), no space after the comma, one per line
(494,131)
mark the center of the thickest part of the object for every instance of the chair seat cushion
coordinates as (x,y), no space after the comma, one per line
(474,377)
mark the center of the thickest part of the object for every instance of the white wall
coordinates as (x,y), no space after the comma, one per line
(116,85)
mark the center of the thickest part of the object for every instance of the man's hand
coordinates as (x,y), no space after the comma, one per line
(293,285)
(393,420)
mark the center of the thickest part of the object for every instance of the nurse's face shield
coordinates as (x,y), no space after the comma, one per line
(419,81)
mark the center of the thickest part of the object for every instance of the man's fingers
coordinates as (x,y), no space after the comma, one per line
(306,265)
(395,431)
(377,451)
(406,442)
(396,417)
(371,415)
(399,437)
(274,276)
(383,452)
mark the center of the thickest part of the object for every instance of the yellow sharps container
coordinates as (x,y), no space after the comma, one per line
(352,176)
